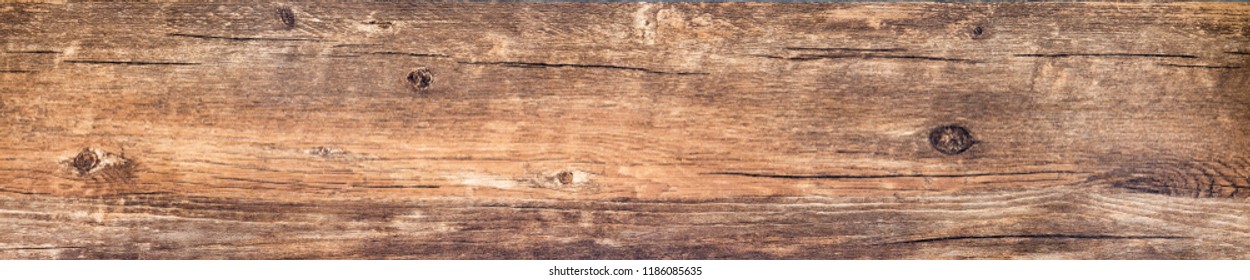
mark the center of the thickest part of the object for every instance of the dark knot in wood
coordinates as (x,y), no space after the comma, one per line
(978,32)
(421,79)
(287,16)
(85,161)
(951,139)
(565,177)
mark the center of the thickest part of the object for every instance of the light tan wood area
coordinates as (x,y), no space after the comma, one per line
(624,130)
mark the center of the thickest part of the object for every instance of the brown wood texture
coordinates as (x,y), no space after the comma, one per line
(624,130)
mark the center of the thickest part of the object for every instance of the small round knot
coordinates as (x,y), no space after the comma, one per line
(977,32)
(565,177)
(420,79)
(85,161)
(951,139)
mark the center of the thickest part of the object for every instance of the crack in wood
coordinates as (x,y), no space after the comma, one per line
(22,192)
(1199,66)
(42,248)
(1059,55)
(409,54)
(868,56)
(130,62)
(35,52)
(233,38)
(353,45)
(396,186)
(258,181)
(382,24)
(133,194)
(885,176)
(846,49)
(1034,236)
(569,65)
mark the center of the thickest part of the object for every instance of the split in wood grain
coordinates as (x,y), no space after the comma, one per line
(129,62)
(810,57)
(124,194)
(886,176)
(412,54)
(1062,55)
(519,64)
(42,248)
(354,45)
(846,49)
(35,52)
(23,192)
(1199,66)
(1034,236)
(381,24)
(237,38)
(396,186)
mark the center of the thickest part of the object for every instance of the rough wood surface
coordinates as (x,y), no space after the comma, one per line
(624,130)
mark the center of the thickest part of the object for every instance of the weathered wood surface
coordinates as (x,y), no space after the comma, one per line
(624,130)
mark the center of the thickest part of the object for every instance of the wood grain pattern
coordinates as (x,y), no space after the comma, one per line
(624,130)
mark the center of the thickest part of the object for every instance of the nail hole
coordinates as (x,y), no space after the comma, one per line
(565,177)
(287,16)
(951,139)
(85,161)
(421,79)
(977,32)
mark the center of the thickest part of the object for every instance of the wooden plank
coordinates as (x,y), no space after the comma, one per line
(625,130)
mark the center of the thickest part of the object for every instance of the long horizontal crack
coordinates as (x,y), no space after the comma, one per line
(36,52)
(558,65)
(846,49)
(411,54)
(868,56)
(133,194)
(917,175)
(22,192)
(42,248)
(396,186)
(201,36)
(1199,66)
(1035,236)
(131,62)
(1161,55)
